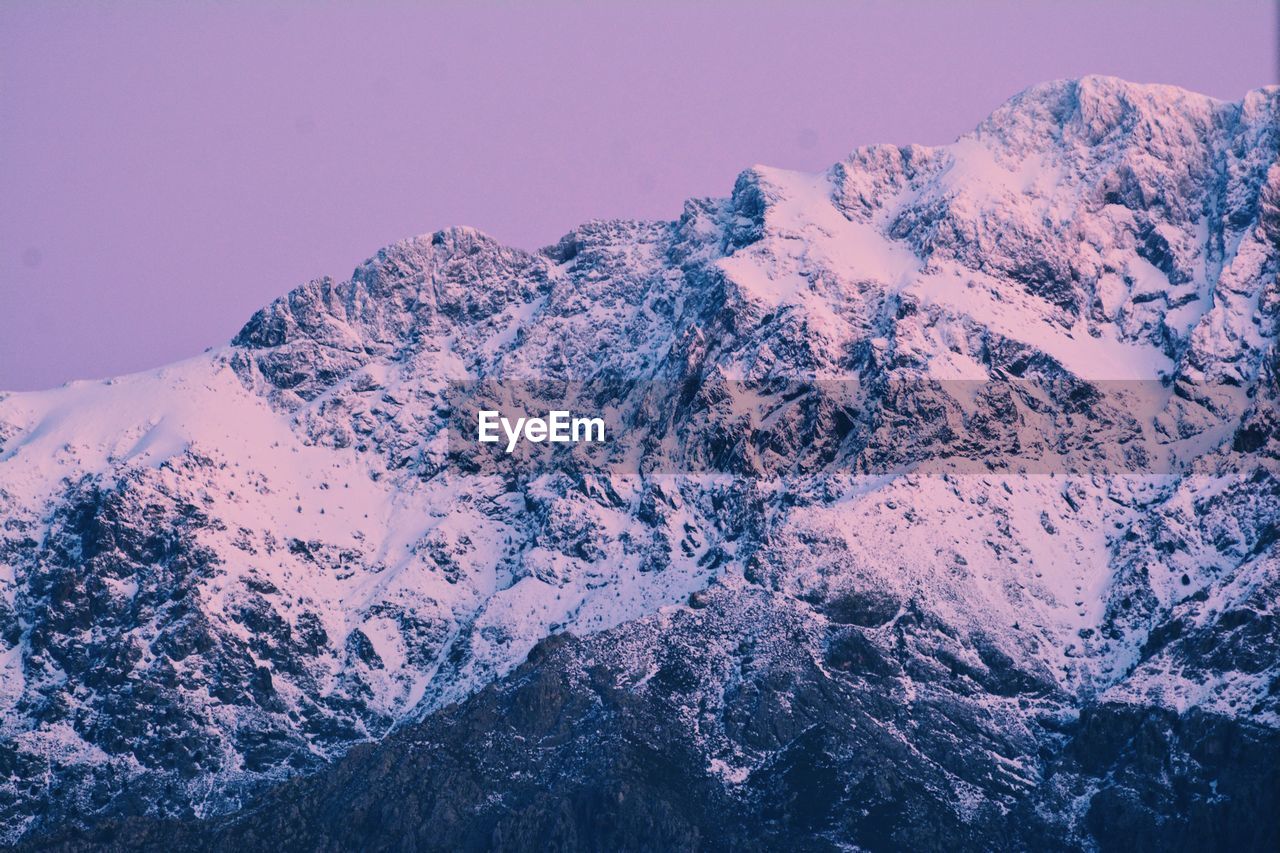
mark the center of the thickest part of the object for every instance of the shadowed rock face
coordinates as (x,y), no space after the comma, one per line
(950,522)
(572,751)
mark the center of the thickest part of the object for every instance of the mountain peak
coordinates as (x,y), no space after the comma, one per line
(300,553)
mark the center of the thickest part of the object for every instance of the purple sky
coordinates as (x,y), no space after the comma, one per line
(167,169)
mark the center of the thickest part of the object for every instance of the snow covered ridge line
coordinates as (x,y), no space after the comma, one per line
(228,571)
(1021,425)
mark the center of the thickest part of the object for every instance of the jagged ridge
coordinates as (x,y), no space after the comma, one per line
(229,571)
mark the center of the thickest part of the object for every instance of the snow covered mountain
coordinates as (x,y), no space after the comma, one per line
(965,532)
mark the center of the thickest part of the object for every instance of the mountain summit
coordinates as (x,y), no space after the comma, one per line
(966,536)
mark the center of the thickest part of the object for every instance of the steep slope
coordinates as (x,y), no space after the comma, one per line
(954,481)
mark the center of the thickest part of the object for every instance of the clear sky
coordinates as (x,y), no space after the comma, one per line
(166,169)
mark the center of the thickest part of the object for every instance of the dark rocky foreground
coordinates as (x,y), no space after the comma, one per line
(573,752)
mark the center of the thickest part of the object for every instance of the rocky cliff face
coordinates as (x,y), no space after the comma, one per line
(950,518)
